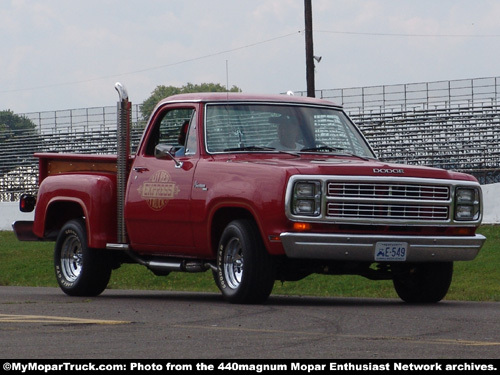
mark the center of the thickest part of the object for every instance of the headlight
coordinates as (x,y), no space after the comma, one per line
(466,195)
(307,198)
(305,189)
(466,204)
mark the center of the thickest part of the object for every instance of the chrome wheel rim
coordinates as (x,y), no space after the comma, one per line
(233,263)
(71,258)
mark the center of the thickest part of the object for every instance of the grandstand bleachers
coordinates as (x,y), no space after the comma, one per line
(453,125)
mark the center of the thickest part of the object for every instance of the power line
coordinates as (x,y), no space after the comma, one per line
(152,68)
(410,35)
(249,46)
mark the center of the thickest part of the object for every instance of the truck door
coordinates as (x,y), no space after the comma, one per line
(158,202)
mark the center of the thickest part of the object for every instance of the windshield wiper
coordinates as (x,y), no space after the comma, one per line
(261,148)
(325,148)
(250,148)
(322,148)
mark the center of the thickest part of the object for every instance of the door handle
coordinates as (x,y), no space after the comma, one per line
(140,169)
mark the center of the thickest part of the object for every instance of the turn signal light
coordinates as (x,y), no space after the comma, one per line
(301,226)
(466,231)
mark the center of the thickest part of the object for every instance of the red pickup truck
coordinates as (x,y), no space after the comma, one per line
(253,189)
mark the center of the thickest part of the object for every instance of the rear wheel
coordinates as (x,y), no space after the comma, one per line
(245,272)
(80,270)
(423,282)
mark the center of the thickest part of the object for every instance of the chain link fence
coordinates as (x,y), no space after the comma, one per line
(450,124)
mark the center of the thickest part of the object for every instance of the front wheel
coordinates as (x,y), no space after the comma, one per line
(80,270)
(245,272)
(423,282)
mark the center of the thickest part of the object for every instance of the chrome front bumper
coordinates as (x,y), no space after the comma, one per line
(362,247)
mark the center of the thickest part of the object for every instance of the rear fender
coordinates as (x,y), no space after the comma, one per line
(69,196)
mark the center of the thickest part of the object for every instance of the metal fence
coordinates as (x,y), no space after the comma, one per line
(450,124)
(411,97)
(86,120)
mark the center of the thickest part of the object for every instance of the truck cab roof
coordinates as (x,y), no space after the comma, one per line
(232,96)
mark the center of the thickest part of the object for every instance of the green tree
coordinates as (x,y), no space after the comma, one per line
(18,139)
(12,125)
(162,91)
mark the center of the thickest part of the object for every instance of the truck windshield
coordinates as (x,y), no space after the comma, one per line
(247,127)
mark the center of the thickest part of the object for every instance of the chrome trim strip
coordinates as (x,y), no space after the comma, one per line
(362,247)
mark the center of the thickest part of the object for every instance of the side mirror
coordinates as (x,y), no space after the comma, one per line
(167,152)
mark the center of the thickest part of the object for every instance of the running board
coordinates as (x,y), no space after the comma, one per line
(159,265)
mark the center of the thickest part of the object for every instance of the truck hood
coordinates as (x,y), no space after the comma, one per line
(353,166)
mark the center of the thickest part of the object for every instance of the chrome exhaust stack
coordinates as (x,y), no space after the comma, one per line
(123,151)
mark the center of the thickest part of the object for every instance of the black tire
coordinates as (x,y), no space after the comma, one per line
(80,270)
(245,272)
(423,282)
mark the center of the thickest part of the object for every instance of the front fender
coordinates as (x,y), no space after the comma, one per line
(235,190)
(67,196)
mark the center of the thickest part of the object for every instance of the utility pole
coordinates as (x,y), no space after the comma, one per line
(311,90)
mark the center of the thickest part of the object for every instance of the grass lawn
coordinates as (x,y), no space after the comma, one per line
(31,264)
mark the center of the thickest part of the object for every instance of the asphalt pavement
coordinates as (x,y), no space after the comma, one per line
(45,323)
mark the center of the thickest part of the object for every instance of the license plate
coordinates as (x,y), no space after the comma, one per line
(391,251)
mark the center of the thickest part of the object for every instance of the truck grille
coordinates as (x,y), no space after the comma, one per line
(404,191)
(386,211)
(387,201)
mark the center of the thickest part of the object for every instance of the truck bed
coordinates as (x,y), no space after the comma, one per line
(55,163)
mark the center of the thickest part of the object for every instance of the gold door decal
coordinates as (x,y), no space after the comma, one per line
(158,190)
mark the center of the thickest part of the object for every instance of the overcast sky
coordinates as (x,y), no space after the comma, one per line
(59,54)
